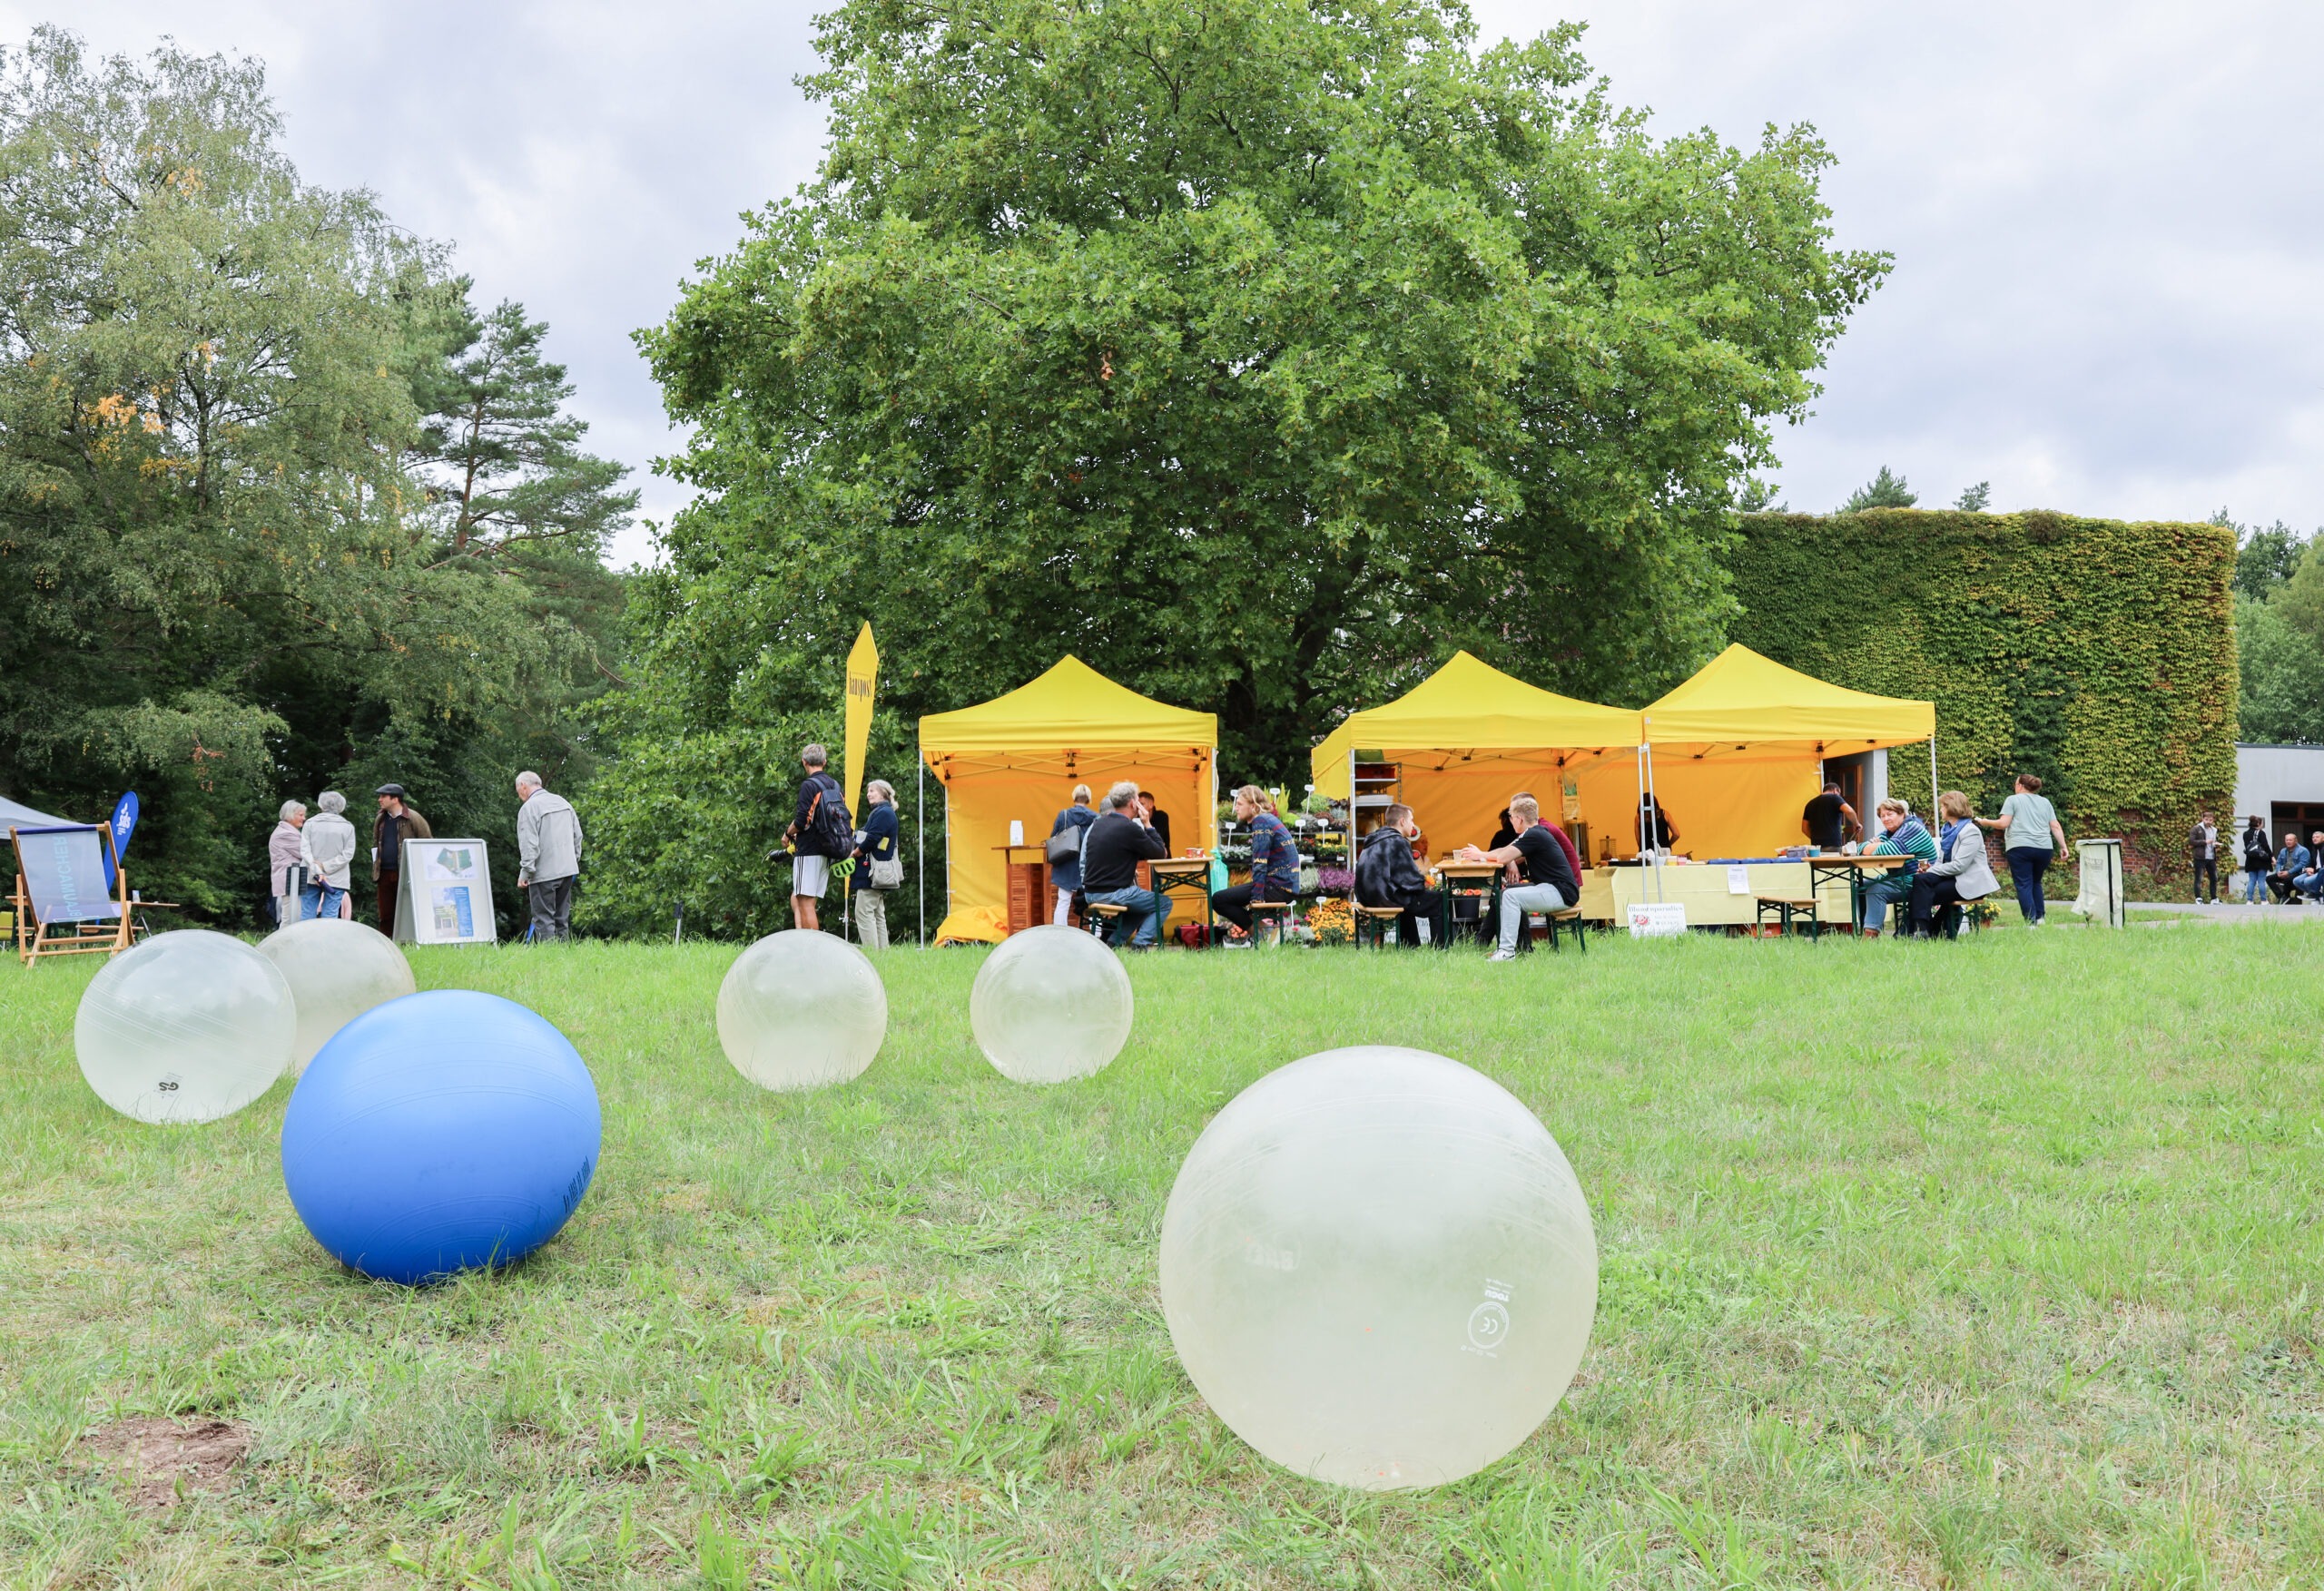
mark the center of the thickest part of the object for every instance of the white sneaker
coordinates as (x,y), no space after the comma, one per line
(1503,956)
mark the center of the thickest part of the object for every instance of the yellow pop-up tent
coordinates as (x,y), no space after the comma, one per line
(1018,756)
(1469,737)
(1735,749)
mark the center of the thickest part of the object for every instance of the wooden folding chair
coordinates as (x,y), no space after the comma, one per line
(60,905)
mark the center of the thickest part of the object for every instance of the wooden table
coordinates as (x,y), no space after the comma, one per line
(1856,866)
(1164,874)
(1454,879)
(1027,867)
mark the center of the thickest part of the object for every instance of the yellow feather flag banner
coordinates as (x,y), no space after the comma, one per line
(863,674)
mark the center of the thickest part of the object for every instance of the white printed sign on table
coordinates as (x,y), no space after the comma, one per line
(450,899)
(1657,919)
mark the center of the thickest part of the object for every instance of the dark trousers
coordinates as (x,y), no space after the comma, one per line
(2027,863)
(391,882)
(552,902)
(1234,904)
(2207,868)
(2281,885)
(1928,895)
(1408,925)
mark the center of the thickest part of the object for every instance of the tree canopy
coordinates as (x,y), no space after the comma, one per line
(1259,353)
(224,573)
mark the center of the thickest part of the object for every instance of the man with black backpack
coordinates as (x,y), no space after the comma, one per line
(821,831)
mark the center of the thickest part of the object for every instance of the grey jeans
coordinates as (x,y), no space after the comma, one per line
(1526,897)
(871,919)
(552,903)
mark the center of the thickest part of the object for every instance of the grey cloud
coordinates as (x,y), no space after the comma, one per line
(2109,294)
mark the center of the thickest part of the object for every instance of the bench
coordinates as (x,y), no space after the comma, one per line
(1265,911)
(1570,917)
(1791,907)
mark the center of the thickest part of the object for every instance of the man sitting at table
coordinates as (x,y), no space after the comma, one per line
(1552,885)
(1275,862)
(1110,852)
(1386,874)
(1902,835)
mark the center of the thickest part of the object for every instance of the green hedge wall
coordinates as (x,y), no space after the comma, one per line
(2098,654)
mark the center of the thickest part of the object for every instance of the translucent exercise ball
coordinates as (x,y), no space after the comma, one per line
(187,1026)
(1050,1005)
(802,1010)
(338,969)
(441,1132)
(1377,1268)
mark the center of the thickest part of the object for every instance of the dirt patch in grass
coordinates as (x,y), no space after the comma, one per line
(163,1458)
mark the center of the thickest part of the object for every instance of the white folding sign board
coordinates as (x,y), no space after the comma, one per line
(1657,919)
(451,893)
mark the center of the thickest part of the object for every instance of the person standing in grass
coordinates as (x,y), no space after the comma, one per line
(875,847)
(1960,875)
(1902,834)
(2256,857)
(283,856)
(2027,825)
(819,835)
(1065,872)
(327,845)
(548,857)
(398,826)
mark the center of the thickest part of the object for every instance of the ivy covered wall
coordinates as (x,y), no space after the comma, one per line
(2098,654)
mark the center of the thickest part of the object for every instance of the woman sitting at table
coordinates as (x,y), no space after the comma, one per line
(1386,874)
(1902,834)
(1275,862)
(1959,872)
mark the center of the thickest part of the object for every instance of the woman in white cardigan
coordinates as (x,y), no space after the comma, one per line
(1959,872)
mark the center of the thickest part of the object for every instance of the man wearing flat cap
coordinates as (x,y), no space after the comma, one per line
(398,826)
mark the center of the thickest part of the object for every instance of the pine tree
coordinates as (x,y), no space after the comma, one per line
(1975,499)
(1883,491)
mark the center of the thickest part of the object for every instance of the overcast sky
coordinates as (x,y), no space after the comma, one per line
(2109,291)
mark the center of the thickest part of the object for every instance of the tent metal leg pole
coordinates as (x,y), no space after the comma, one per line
(1931,776)
(919,818)
(1660,840)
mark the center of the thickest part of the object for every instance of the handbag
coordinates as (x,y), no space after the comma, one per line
(889,874)
(1065,845)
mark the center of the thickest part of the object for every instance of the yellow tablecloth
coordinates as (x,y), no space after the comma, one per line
(1608,893)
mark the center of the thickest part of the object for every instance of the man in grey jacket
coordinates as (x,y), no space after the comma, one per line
(548,855)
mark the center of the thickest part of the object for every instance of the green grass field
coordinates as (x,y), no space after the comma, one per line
(1987,1263)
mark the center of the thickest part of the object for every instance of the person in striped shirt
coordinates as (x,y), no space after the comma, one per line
(1906,836)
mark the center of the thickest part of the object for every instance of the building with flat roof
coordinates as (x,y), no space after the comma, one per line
(2284,785)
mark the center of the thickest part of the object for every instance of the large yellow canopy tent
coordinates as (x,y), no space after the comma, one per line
(1469,737)
(1018,756)
(1737,749)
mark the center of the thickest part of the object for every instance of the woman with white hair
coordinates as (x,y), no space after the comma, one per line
(327,845)
(877,866)
(285,867)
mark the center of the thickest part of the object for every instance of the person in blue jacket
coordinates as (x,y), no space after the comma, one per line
(876,842)
(1065,872)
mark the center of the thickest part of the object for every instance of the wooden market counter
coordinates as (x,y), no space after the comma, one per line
(1710,893)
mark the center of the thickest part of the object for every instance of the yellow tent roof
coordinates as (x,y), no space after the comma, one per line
(1741,698)
(1469,706)
(1071,708)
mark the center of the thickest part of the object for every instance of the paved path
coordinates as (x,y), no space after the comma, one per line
(2225,912)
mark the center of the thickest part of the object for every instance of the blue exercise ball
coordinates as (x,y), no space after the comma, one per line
(439,1132)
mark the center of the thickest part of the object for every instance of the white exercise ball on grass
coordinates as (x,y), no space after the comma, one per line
(802,1010)
(1378,1269)
(1050,1005)
(188,1026)
(338,968)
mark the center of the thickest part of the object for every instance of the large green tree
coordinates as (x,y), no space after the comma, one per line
(1261,353)
(221,578)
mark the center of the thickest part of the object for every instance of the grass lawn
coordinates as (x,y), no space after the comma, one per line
(1988,1263)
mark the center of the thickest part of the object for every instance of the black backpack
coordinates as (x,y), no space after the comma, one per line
(830,831)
